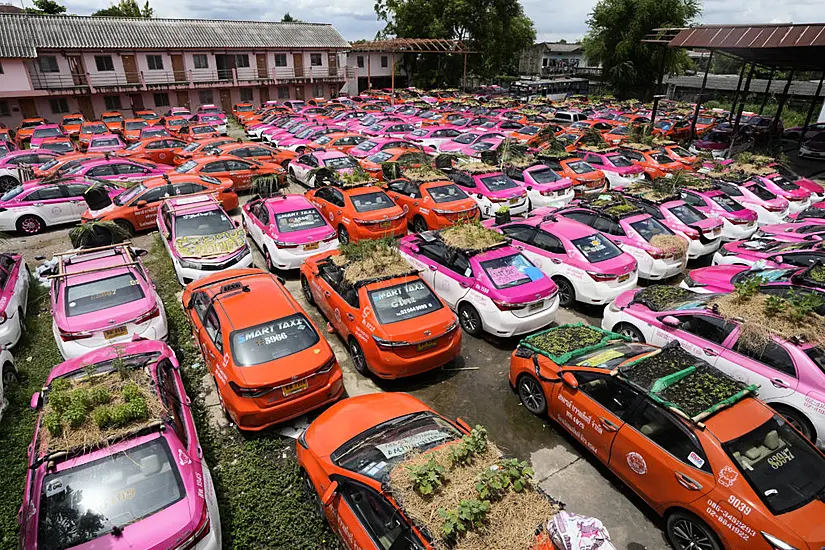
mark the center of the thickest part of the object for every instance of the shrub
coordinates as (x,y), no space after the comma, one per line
(470,446)
(774,305)
(131,392)
(102,417)
(100,396)
(470,514)
(493,483)
(802,304)
(76,414)
(53,424)
(427,478)
(59,401)
(748,287)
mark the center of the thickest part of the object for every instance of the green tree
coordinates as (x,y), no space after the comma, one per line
(498,30)
(287,18)
(127,8)
(46,7)
(617,28)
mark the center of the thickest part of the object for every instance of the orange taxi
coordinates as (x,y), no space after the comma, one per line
(337,141)
(89,129)
(254,151)
(113,121)
(161,150)
(433,204)
(721,468)
(617,135)
(131,129)
(679,153)
(136,208)
(151,117)
(243,107)
(705,123)
(359,213)
(372,164)
(173,124)
(196,148)
(71,124)
(63,163)
(25,129)
(240,171)
(198,132)
(270,364)
(586,179)
(655,163)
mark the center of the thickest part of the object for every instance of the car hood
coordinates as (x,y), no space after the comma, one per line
(214,247)
(717,276)
(810,185)
(803,521)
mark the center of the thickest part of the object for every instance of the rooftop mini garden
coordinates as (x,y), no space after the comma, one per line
(563,343)
(613,204)
(664,297)
(371,259)
(471,236)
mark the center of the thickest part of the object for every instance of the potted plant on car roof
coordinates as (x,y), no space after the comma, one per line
(503,215)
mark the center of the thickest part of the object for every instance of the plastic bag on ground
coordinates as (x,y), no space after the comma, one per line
(574,532)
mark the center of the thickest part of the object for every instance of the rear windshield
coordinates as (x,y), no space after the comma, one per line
(498,182)
(649,228)
(544,175)
(728,204)
(62,146)
(102,294)
(113,118)
(580,167)
(597,248)
(511,271)
(72,121)
(782,468)
(31,124)
(46,132)
(298,220)
(136,125)
(784,184)
(761,192)
(106,142)
(368,202)
(379,157)
(687,214)
(211,222)
(619,161)
(202,129)
(88,501)
(403,302)
(272,340)
(446,193)
(681,151)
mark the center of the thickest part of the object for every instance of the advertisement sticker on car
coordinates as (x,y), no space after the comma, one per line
(407,444)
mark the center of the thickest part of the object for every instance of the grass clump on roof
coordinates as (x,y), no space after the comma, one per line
(471,236)
(371,259)
(423,174)
(700,390)
(661,363)
(663,297)
(564,342)
(613,204)
(658,190)
(480,499)
(477,167)
(670,244)
(746,157)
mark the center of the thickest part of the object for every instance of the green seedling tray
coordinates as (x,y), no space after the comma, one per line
(671,379)
(566,357)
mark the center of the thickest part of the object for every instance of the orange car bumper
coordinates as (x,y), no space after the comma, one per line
(389,365)
(397,228)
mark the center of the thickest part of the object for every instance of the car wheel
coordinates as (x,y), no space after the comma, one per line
(7,183)
(300,150)
(626,329)
(798,421)
(358,358)
(30,224)
(343,235)
(126,226)
(285,165)
(531,395)
(419,224)
(687,532)
(9,376)
(307,291)
(314,499)
(470,320)
(567,294)
(268,260)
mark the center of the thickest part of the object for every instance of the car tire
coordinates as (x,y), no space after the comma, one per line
(626,329)
(531,395)
(9,376)
(359,360)
(126,226)
(685,531)
(470,320)
(268,259)
(567,294)
(285,165)
(419,224)
(7,183)
(307,291)
(30,224)
(797,420)
(343,235)
(314,499)
(300,150)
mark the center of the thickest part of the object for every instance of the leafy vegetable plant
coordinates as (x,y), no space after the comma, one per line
(427,478)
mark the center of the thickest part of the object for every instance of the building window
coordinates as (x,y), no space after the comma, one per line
(315,59)
(112,102)
(155,62)
(544,62)
(48,64)
(280,60)
(4,108)
(360,61)
(201,61)
(104,63)
(317,91)
(162,100)
(283,92)
(246,94)
(241,60)
(333,91)
(59,105)
(205,96)
(385,61)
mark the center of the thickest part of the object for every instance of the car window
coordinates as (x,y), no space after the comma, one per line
(212,325)
(212,167)
(237,165)
(46,193)
(171,398)
(548,242)
(76,189)
(520,232)
(155,194)
(159,144)
(692,199)
(129,169)
(607,225)
(272,340)
(597,248)
(607,391)
(379,518)
(713,329)
(667,433)
(586,218)
(435,251)
(102,170)
(772,355)
(403,302)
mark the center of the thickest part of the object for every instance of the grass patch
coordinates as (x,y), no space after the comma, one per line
(663,297)
(471,236)
(559,342)
(371,259)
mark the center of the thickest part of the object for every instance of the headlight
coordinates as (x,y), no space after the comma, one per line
(777,544)
(724,251)
(190,265)
(613,308)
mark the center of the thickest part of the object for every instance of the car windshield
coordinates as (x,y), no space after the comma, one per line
(375,452)
(186,166)
(298,220)
(511,271)
(59,146)
(211,222)
(379,157)
(767,275)
(544,175)
(403,302)
(109,142)
(102,294)
(499,182)
(202,129)
(112,118)
(783,468)
(611,356)
(687,214)
(446,193)
(761,192)
(619,161)
(367,202)
(580,167)
(177,122)
(529,130)
(704,120)
(482,146)
(9,195)
(85,502)
(680,151)
(210,118)
(129,194)
(420,133)
(148,116)
(305,133)
(46,132)
(136,125)
(365,146)
(340,163)
(649,228)
(728,204)
(72,121)
(192,146)
(465,139)
(597,248)
(272,340)
(323,140)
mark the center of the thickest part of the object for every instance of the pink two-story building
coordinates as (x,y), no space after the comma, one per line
(54,65)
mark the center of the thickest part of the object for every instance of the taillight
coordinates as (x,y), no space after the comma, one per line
(326,367)
(771,208)
(797,199)
(71,336)
(282,244)
(201,532)
(248,392)
(507,306)
(656,254)
(692,235)
(151,314)
(738,221)
(388,344)
(602,277)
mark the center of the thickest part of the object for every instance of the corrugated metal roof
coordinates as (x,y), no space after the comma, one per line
(559,47)
(23,35)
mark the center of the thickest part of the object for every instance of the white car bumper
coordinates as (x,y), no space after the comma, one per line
(556,200)
(697,249)
(591,292)
(155,329)
(658,269)
(737,232)
(188,274)
(292,258)
(794,207)
(507,323)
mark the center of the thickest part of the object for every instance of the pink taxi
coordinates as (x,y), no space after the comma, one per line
(45,131)
(118,169)
(14,295)
(770,253)
(738,222)
(210,109)
(545,187)
(618,169)
(798,197)
(492,191)
(809,229)
(769,208)
(105,143)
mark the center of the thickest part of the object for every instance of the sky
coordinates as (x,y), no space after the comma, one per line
(554,19)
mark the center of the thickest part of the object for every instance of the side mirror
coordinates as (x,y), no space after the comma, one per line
(329,494)
(414,248)
(570,379)
(36,400)
(671,321)
(281,280)
(141,203)
(778,259)
(463,424)
(237,223)
(166,234)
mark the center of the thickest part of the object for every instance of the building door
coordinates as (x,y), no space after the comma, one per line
(226,101)
(178,68)
(263,91)
(130,68)
(299,92)
(333,64)
(183,99)
(84,103)
(298,62)
(137,102)
(27,107)
(263,70)
(225,64)
(77,70)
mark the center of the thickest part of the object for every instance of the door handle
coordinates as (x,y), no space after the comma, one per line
(211,355)
(687,482)
(432,268)
(608,425)
(38,204)
(326,293)
(350,316)
(710,352)
(555,260)
(779,383)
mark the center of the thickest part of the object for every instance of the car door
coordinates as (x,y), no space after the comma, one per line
(431,257)
(77,205)
(302,167)
(146,214)
(211,341)
(404,193)
(702,335)
(660,458)
(51,204)
(105,171)
(256,221)
(454,279)
(593,409)
(131,172)
(770,366)
(553,257)
(240,172)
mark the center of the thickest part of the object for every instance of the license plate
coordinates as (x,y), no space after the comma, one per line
(384,225)
(297,387)
(114,332)
(624,277)
(311,246)
(427,345)
(514,201)
(536,305)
